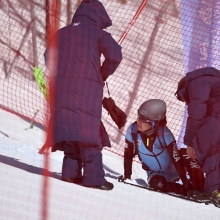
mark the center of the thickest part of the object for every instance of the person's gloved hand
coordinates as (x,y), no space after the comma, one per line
(117,115)
(122,178)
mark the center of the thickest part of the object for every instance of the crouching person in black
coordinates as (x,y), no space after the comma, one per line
(155,145)
(200,90)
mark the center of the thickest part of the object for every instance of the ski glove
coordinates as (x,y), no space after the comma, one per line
(117,115)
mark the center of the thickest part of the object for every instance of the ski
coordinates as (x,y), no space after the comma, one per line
(169,194)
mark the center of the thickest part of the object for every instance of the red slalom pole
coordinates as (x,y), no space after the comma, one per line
(53,16)
(133,21)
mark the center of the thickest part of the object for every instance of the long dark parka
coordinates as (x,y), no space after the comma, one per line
(203,124)
(80,76)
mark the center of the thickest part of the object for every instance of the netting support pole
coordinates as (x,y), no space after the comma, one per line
(133,21)
(8,73)
(69,11)
(34,37)
(123,37)
(47,26)
(159,20)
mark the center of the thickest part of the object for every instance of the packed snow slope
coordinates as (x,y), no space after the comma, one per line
(21,185)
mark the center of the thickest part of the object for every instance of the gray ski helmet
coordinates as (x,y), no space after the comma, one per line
(153,110)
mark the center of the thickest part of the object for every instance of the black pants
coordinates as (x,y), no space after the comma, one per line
(78,156)
(207,149)
(194,170)
(160,183)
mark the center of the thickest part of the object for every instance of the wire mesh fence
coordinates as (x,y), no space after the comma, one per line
(161,40)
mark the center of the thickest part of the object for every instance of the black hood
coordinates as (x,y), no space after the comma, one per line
(207,71)
(94,12)
(182,93)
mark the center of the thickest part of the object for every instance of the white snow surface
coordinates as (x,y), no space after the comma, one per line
(21,183)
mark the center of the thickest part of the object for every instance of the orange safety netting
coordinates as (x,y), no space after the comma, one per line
(161,41)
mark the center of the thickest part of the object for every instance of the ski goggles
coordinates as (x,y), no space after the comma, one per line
(146,120)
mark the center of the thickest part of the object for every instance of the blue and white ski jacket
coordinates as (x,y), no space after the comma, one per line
(158,153)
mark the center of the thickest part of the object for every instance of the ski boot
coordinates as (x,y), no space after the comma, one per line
(199,196)
(215,198)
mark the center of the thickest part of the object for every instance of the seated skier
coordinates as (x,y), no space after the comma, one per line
(155,145)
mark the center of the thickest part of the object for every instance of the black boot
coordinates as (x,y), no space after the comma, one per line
(72,180)
(106,186)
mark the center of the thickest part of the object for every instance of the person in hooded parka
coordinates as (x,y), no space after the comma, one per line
(78,94)
(200,90)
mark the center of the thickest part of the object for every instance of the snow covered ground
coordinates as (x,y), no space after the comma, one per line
(21,186)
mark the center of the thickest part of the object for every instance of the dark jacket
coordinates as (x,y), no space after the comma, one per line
(204,99)
(79,78)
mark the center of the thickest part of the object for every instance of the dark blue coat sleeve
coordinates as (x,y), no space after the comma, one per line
(111,51)
(199,91)
(128,159)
